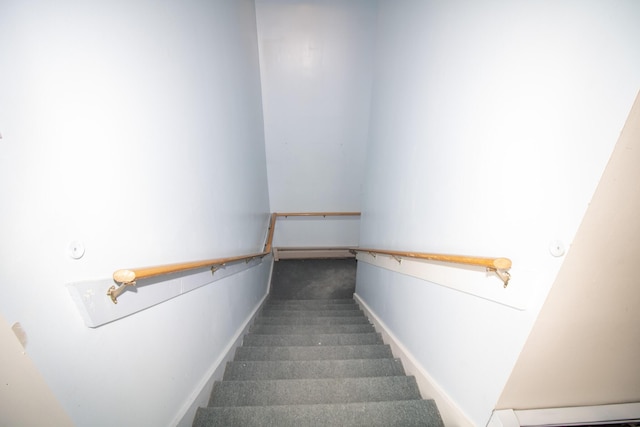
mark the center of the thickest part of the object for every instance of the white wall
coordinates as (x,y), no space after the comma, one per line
(491,123)
(337,231)
(316,66)
(136,129)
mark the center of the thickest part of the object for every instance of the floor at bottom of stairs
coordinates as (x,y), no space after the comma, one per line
(313,279)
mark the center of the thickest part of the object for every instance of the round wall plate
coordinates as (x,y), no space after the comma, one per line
(76,250)
(556,248)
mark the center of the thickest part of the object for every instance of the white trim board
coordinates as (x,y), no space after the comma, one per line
(451,414)
(96,308)
(624,412)
(471,280)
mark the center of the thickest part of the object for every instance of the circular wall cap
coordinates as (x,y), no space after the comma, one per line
(556,248)
(76,250)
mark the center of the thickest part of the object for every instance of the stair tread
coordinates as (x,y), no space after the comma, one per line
(311,329)
(312,320)
(291,369)
(315,363)
(312,307)
(269,312)
(338,352)
(313,339)
(313,391)
(405,413)
(348,301)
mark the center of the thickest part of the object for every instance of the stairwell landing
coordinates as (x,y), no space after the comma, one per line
(312,358)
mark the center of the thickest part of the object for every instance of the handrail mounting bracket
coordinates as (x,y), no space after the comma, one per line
(115,291)
(502,274)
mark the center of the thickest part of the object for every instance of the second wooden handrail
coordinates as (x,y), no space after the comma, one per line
(498,265)
(286,214)
(276,215)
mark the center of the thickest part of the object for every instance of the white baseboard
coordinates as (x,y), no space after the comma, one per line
(451,414)
(581,415)
(503,418)
(201,394)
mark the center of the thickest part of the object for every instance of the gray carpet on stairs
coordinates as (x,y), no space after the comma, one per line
(312,358)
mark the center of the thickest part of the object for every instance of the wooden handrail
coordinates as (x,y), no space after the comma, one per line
(276,215)
(272,229)
(497,265)
(286,214)
(128,277)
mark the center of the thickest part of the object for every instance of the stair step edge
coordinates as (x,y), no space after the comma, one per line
(309,369)
(313,391)
(405,413)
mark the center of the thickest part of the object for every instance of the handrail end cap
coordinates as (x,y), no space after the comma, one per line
(124,276)
(502,263)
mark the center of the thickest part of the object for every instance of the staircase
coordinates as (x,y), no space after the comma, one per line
(315,362)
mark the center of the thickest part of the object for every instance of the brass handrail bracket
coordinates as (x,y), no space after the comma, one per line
(502,274)
(115,291)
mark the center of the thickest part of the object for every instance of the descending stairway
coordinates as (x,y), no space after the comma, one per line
(315,363)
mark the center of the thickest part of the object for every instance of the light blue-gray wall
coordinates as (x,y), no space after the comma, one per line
(134,128)
(316,59)
(491,123)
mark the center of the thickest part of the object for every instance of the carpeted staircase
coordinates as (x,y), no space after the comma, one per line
(315,362)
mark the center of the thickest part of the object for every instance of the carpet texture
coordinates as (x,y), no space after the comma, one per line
(312,358)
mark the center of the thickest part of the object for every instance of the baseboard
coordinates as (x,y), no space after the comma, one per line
(272,261)
(581,415)
(452,415)
(202,392)
(503,418)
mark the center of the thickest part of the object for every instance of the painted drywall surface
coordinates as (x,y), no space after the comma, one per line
(491,124)
(583,348)
(316,66)
(317,232)
(136,129)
